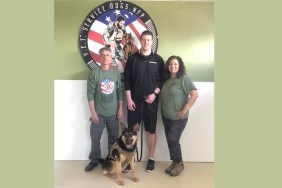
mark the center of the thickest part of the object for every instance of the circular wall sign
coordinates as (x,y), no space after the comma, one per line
(117,25)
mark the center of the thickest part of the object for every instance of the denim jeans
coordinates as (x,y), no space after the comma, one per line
(173,131)
(96,130)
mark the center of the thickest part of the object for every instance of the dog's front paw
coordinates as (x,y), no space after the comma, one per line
(135,179)
(114,177)
(120,182)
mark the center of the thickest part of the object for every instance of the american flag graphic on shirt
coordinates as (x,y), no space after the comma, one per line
(91,38)
(107,86)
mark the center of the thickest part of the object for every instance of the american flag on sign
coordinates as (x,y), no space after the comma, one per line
(133,25)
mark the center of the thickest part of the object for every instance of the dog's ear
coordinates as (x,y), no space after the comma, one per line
(136,127)
(122,126)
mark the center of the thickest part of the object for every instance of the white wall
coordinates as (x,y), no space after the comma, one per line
(71,125)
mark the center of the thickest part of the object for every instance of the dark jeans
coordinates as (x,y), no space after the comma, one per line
(173,131)
(96,130)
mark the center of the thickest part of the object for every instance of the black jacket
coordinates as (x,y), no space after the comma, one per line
(143,74)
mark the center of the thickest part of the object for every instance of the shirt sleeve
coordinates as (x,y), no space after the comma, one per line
(91,86)
(128,74)
(187,84)
(161,72)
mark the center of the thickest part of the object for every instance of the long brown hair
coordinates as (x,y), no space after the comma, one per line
(181,71)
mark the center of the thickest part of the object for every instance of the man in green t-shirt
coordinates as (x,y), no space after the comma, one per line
(105,100)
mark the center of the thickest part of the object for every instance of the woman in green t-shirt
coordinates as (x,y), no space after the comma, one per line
(177,96)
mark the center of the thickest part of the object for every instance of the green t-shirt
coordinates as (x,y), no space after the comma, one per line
(174,96)
(104,88)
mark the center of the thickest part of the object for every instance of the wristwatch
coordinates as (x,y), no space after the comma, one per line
(155,93)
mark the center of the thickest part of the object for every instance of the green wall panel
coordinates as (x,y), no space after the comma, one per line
(184,28)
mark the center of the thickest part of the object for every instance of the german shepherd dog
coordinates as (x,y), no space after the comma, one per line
(121,154)
(128,46)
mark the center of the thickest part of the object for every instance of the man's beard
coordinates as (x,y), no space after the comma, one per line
(118,26)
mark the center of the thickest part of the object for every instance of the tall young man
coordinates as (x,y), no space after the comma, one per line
(143,78)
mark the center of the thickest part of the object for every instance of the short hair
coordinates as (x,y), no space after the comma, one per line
(104,49)
(182,69)
(146,32)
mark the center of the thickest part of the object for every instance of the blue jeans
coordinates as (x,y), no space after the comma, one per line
(96,130)
(173,131)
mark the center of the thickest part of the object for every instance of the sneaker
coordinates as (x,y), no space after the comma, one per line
(178,167)
(168,170)
(150,165)
(90,166)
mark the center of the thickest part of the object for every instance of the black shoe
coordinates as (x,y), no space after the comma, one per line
(150,165)
(90,166)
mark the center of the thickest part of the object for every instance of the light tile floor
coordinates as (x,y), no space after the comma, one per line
(71,174)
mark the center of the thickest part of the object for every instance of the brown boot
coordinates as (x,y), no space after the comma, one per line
(168,170)
(177,169)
